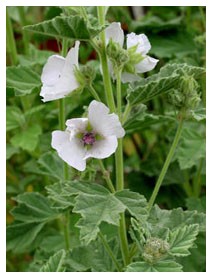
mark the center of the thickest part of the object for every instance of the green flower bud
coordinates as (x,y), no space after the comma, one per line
(117,55)
(187,95)
(85,75)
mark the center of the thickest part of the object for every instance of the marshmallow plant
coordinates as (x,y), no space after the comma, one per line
(102,226)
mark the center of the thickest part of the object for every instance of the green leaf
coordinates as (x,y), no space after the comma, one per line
(21,235)
(11,151)
(28,138)
(60,199)
(192,147)
(175,218)
(69,27)
(33,207)
(194,203)
(135,203)
(161,266)
(148,23)
(22,80)
(97,205)
(95,209)
(166,80)
(35,57)
(92,257)
(139,119)
(55,263)
(181,239)
(14,118)
(179,44)
(51,165)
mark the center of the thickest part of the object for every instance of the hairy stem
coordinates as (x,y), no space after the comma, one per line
(120,175)
(93,92)
(11,40)
(23,23)
(104,64)
(166,164)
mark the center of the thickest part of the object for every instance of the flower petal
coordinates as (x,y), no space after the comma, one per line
(114,32)
(77,125)
(129,77)
(102,148)
(141,40)
(52,70)
(147,64)
(71,151)
(102,122)
(58,75)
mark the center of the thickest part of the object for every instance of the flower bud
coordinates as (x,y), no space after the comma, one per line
(154,249)
(85,75)
(117,55)
(187,95)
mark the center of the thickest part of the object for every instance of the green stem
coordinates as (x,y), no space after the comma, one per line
(65,166)
(93,92)
(166,164)
(119,96)
(106,176)
(24,34)
(120,176)
(126,113)
(197,181)
(110,252)
(104,64)
(11,40)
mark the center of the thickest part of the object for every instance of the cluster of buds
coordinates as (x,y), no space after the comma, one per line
(187,96)
(154,249)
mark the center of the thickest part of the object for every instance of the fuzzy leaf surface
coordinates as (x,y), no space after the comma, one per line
(97,205)
(182,239)
(168,78)
(22,80)
(33,207)
(161,266)
(21,235)
(28,138)
(55,263)
(69,27)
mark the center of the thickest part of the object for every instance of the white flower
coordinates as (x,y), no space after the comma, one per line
(146,63)
(58,75)
(95,136)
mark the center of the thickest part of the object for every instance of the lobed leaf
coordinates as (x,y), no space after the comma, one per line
(69,27)
(32,208)
(21,235)
(181,239)
(175,218)
(14,118)
(192,148)
(97,205)
(22,80)
(28,138)
(161,266)
(55,263)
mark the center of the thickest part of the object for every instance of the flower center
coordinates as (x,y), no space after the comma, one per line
(88,138)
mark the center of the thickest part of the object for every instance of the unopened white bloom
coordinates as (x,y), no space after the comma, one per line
(95,136)
(58,76)
(141,45)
